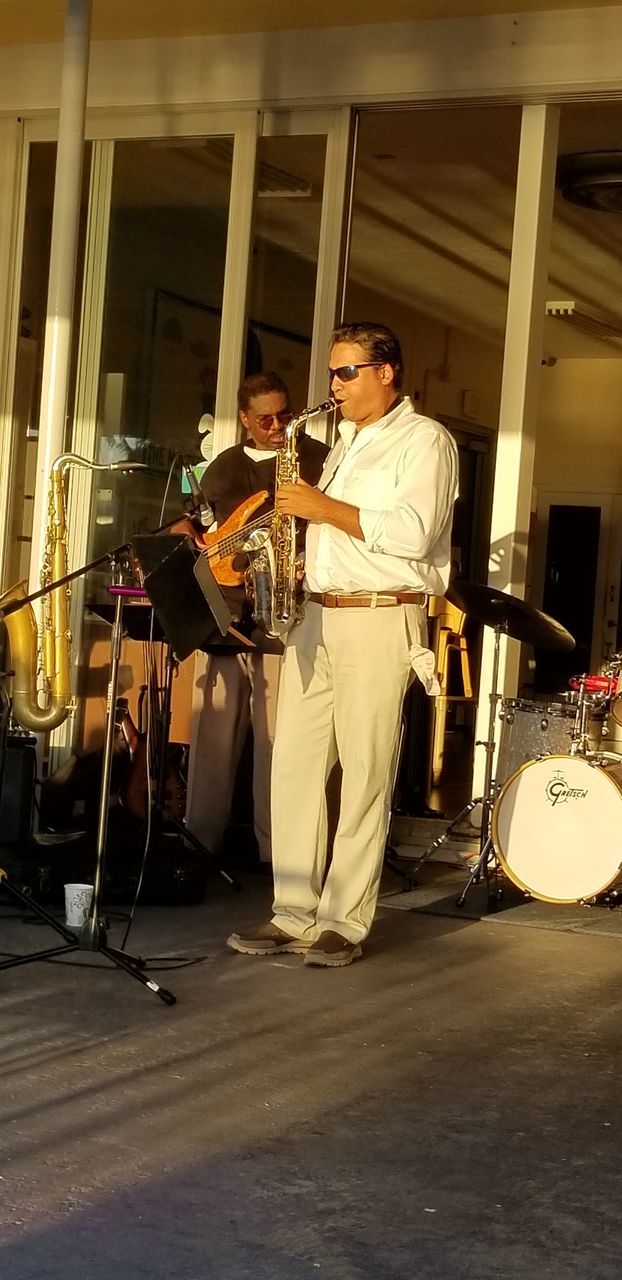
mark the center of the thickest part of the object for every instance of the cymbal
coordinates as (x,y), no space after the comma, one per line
(515,617)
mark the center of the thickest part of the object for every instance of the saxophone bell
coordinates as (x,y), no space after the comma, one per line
(45,650)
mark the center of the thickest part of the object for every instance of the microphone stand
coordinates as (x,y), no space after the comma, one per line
(93,935)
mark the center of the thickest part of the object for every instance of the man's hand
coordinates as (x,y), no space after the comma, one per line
(191,530)
(303,500)
(184,525)
(306,502)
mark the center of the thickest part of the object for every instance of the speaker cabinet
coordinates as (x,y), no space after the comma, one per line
(18,789)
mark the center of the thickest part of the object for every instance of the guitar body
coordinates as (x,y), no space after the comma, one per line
(221,545)
(134,793)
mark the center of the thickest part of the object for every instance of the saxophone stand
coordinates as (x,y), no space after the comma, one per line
(509,616)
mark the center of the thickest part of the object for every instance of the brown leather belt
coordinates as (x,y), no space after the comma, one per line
(370,600)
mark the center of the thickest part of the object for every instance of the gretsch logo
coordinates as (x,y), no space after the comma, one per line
(558,791)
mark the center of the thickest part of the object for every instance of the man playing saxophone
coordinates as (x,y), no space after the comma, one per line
(377,545)
(239,686)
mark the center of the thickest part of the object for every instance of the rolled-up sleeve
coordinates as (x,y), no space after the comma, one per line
(423,499)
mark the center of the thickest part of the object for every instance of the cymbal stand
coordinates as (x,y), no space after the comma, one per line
(486,848)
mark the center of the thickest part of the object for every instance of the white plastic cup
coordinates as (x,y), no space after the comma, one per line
(77,904)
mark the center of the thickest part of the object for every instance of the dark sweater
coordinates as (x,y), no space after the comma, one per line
(233,476)
(228,480)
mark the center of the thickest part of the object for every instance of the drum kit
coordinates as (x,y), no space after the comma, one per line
(551,815)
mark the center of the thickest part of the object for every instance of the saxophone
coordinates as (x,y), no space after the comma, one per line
(273,560)
(50,653)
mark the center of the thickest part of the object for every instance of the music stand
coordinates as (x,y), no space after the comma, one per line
(179,584)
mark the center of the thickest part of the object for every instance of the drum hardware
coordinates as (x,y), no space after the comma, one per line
(553,815)
(509,616)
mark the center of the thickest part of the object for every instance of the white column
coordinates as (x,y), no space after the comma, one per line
(519,394)
(61,285)
(336,208)
(235,286)
(11,241)
(84,436)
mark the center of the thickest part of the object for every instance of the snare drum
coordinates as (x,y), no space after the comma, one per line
(531,729)
(556,825)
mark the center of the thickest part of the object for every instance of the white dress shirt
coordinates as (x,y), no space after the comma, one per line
(402,474)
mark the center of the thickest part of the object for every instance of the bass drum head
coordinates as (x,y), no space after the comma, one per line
(556,827)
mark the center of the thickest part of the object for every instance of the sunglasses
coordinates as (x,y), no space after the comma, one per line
(265,420)
(348,372)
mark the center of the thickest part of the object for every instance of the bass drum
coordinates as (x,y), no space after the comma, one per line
(556,827)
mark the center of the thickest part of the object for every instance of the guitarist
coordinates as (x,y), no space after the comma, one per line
(239,687)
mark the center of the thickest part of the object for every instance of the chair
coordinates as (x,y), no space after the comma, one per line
(449,623)
(450,637)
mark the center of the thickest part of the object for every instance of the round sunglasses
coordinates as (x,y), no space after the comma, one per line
(265,420)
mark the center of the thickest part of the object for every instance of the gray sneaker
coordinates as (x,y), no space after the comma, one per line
(331,951)
(266,940)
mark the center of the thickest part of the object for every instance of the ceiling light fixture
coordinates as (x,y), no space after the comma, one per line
(592,179)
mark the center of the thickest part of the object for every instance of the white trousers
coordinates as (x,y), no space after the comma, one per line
(233,691)
(343,681)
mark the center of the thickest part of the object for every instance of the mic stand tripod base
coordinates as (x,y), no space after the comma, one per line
(93,934)
(91,938)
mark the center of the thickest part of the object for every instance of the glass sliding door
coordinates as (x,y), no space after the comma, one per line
(430,249)
(202,260)
(169,206)
(283,274)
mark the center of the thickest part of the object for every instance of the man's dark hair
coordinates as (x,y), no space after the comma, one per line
(259,384)
(378,342)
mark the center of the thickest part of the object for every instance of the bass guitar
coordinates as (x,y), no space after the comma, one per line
(138,788)
(225,544)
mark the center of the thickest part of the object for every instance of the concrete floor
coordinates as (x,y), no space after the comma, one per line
(448,1107)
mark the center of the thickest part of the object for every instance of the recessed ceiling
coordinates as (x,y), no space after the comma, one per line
(434,197)
(433,214)
(41,21)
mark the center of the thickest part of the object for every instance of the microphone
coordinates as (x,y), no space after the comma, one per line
(126,466)
(201,505)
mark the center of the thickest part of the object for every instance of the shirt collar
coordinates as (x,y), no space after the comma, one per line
(259,455)
(347,430)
